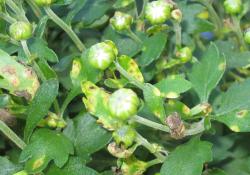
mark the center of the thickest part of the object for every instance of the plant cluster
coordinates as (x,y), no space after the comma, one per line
(124,87)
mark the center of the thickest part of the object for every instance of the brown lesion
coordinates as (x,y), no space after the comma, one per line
(8,70)
(7,117)
(23,93)
(177,127)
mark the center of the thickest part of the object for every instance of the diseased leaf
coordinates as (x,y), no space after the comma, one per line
(206,74)
(74,167)
(46,145)
(152,48)
(237,97)
(154,101)
(16,78)
(40,105)
(188,159)
(237,121)
(173,86)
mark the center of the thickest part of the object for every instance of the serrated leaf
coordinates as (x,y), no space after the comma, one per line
(154,101)
(152,48)
(173,86)
(188,159)
(74,167)
(131,67)
(89,136)
(40,105)
(237,121)
(96,103)
(7,167)
(236,98)
(206,74)
(46,145)
(16,78)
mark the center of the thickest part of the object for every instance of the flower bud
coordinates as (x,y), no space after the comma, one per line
(121,151)
(157,12)
(44,2)
(247,36)
(133,166)
(233,6)
(176,15)
(123,103)
(20,30)
(21,173)
(101,55)
(121,21)
(52,120)
(184,54)
(124,135)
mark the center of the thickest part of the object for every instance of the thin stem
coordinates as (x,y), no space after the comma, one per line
(238,32)
(142,141)
(20,13)
(7,18)
(11,135)
(129,77)
(26,49)
(65,27)
(133,36)
(150,123)
(195,128)
(153,162)
(34,8)
(141,16)
(177,29)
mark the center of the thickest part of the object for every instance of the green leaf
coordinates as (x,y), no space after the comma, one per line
(206,74)
(154,101)
(188,159)
(7,167)
(237,121)
(89,136)
(48,72)
(46,145)
(173,86)
(40,105)
(74,167)
(86,15)
(238,166)
(214,172)
(236,98)
(152,48)
(17,78)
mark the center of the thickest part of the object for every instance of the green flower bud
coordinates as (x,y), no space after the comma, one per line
(101,55)
(157,12)
(123,103)
(61,124)
(184,54)
(124,135)
(133,166)
(120,151)
(20,30)
(247,36)
(176,15)
(121,21)
(52,120)
(233,6)
(44,2)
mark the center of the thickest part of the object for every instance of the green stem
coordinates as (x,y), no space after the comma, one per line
(141,16)
(153,162)
(19,12)
(214,16)
(133,36)
(195,128)
(150,123)
(7,18)
(11,135)
(238,32)
(142,141)
(26,49)
(177,29)
(65,27)
(34,8)
(129,77)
